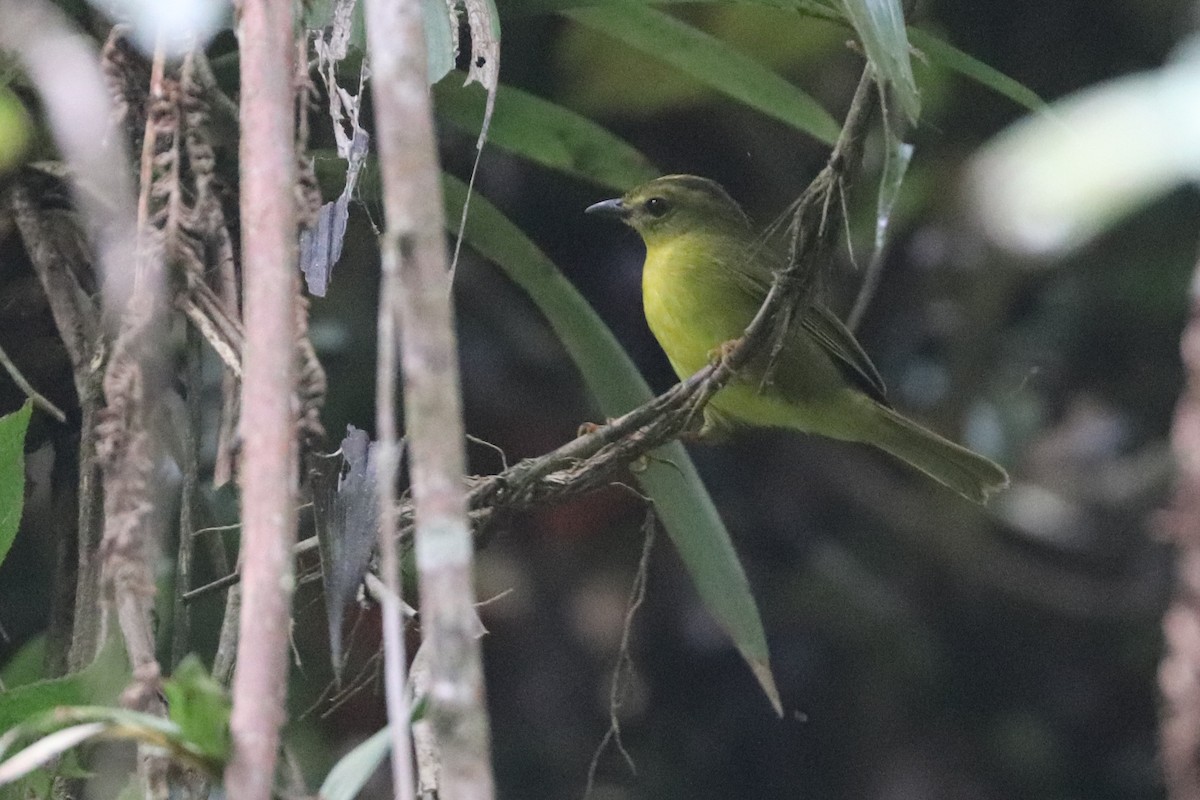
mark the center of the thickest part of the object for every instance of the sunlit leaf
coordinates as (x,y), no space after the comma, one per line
(1050,183)
(710,61)
(880,26)
(56,731)
(46,748)
(680,499)
(545,133)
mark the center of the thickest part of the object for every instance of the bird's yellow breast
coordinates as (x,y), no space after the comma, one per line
(692,301)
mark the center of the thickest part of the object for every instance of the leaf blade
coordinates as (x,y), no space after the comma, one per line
(12,474)
(545,133)
(710,61)
(947,56)
(880,27)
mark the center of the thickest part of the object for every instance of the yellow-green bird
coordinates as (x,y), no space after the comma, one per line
(707,273)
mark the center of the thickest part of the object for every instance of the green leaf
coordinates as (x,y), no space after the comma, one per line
(323,16)
(25,665)
(947,56)
(709,61)
(440,27)
(545,133)
(355,768)
(441,45)
(56,731)
(101,682)
(12,474)
(16,130)
(680,499)
(880,27)
(896,159)
(200,707)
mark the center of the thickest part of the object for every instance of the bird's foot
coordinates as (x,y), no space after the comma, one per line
(706,428)
(589,427)
(723,351)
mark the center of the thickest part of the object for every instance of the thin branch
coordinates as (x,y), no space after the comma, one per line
(25,386)
(624,665)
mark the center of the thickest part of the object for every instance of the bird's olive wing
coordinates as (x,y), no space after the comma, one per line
(828,330)
(753,275)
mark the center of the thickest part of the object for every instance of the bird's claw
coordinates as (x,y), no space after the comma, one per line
(587,427)
(723,351)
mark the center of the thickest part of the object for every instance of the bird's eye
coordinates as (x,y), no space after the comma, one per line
(656,206)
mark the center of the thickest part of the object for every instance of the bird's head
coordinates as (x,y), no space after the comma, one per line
(674,205)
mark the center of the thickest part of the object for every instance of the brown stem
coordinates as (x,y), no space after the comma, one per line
(269,473)
(417,290)
(1177,676)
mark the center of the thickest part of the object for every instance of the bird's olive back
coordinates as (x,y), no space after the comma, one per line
(677,204)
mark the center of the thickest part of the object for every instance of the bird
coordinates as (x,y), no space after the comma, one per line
(706,274)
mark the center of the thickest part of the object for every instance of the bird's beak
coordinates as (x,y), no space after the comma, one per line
(615,208)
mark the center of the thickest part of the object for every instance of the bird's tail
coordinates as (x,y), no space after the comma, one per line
(968,473)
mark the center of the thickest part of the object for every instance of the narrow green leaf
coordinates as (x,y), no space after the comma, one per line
(46,749)
(948,56)
(710,61)
(895,166)
(12,474)
(545,133)
(682,502)
(880,27)
(355,768)
(55,731)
